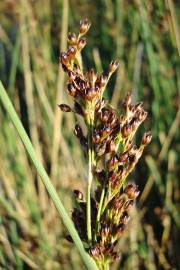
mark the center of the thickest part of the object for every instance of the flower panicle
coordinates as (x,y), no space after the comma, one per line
(110,141)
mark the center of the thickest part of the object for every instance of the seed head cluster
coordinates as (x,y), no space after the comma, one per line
(112,154)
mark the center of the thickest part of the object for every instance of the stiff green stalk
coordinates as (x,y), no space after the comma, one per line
(90,264)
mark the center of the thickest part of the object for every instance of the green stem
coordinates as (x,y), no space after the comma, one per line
(90,123)
(100,210)
(88,195)
(45,179)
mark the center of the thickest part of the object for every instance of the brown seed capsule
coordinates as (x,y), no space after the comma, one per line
(90,94)
(78,194)
(100,148)
(72,39)
(78,108)
(141,115)
(146,139)
(112,176)
(113,161)
(64,107)
(132,191)
(101,81)
(123,156)
(124,217)
(111,147)
(64,58)
(71,75)
(71,90)
(84,26)
(71,52)
(92,76)
(126,130)
(78,131)
(113,66)
(81,44)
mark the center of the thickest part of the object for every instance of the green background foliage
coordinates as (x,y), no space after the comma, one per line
(144,36)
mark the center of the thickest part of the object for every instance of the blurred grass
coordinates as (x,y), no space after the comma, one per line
(144,36)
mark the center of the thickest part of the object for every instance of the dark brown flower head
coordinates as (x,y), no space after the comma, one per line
(64,58)
(146,138)
(72,39)
(132,191)
(113,66)
(71,90)
(65,107)
(84,26)
(78,131)
(81,44)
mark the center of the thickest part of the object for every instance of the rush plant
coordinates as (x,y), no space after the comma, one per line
(102,216)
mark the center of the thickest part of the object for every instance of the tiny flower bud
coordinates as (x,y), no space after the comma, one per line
(71,90)
(132,191)
(64,58)
(78,131)
(84,26)
(113,161)
(113,66)
(123,157)
(101,81)
(146,139)
(64,107)
(124,218)
(71,52)
(71,75)
(78,195)
(90,94)
(81,44)
(78,108)
(72,39)
(100,149)
(126,130)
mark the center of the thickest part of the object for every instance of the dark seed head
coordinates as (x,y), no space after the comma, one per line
(78,194)
(113,66)
(81,44)
(126,130)
(72,39)
(64,58)
(64,107)
(84,26)
(132,191)
(78,131)
(71,90)
(71,52)
(146,138)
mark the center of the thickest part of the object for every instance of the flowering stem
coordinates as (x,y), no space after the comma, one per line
(90,121)
(100,210)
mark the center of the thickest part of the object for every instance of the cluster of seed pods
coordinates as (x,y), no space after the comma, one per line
(111,140)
